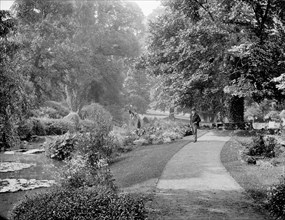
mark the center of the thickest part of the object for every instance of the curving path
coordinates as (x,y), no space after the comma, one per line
(140,169)
(195,185)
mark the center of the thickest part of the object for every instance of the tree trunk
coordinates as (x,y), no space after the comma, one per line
(236,109)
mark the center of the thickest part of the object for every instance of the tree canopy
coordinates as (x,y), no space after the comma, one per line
(214,53)
(14,101)
(70,47)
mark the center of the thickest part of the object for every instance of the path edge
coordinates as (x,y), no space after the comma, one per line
(158,179)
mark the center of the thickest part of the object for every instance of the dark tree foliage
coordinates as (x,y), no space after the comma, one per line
(255,58)
(13,97)
(211,51)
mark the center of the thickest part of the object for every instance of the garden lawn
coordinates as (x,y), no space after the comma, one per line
(254,179)
(140,169)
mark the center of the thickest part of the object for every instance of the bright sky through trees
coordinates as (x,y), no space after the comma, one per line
(5,4)
(146,5)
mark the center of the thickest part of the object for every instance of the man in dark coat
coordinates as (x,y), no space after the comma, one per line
(195,120)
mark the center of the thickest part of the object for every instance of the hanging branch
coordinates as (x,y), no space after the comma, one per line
(209,13)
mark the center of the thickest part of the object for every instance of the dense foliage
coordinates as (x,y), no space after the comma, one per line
(99,116)
(262,147)
(211,54)
(137,90)
(275,199)
(92,135)
(57,57)
(69,55)
(85,203)
(14,101)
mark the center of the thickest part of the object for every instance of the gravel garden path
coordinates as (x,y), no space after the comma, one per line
(195,185)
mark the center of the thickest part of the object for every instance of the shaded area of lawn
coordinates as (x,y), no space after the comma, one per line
(146,163)
(254,179)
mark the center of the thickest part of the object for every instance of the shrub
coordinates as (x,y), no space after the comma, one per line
(50,112)
(262,146)
(129,139)
(155,132)
(270,147)
(62,147)
(97,143)
(166,128)
(8,135)
(59,107)
(38,127)
(73,118)
(87,170)
(258,146)
(100,116)
(32,126)
(276,199)
(46,112)
(84,203)
(273,115)
(87,125)
(86,160)
(25,129)
(56,126)
(117,113)
(86,143)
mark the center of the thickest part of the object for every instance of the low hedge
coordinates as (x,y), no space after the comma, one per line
(56,126)
(44,126)
(84,204)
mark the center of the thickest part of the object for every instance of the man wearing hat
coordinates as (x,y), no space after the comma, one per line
(195,120)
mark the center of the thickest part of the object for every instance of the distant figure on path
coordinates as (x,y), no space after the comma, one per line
(195,120)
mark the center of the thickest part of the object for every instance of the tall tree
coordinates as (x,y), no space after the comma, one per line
(72,46)
(14,101)
(206,48)
(187,49)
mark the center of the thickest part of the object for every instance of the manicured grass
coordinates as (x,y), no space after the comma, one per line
(254,179)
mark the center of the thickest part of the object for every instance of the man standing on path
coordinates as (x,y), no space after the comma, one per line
(195,120)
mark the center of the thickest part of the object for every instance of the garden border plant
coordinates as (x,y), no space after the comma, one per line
(276,199)
(87,189)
